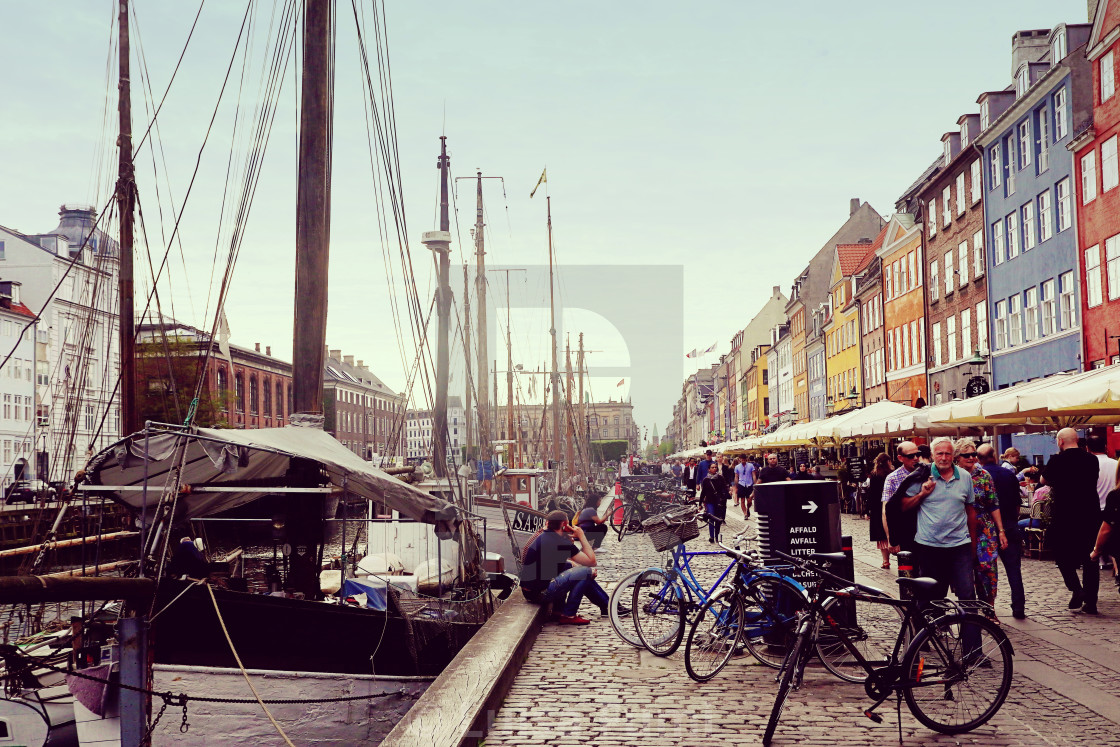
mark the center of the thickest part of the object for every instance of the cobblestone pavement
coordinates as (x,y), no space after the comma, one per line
(584,686)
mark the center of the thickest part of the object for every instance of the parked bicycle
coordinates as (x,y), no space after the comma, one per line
(642,498)
(949,661)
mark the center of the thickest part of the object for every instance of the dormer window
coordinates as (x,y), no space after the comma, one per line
(964,134)
(1058,47)
(984,121)
(1022,80)
(948,152)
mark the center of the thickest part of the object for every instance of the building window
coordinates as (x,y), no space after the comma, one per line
(1027,215)
(1001,325)
(1013,235)
(1065,301)
(978,265)
(1045,217)
(951,337)
(1025,144)
(1093,276)
(1048,308)
(975,177)
(1109,176)
(1088,177)
(948,273)
(1043,120)
(1058,47)
(1060,127)
(931,217)
(962,263)
(962,201)
(911,273)
(267,399)
(1065,217)
(1022,80)
(934,286)
(254,395)
(1009,163)
(982,327)
(966,332)
(946,202)
(1031,316)
(1112,266)
(239,383)
(936,339)
(996,167)
(1015,320)
(1108,81)
(997,242)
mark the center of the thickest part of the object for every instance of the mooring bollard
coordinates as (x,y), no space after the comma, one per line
(905,570)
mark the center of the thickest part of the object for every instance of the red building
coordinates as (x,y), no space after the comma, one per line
(1098,196)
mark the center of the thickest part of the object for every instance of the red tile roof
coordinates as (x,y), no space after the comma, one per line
(19,308)
(855,257)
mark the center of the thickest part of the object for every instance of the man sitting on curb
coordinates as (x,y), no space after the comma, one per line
(556,571)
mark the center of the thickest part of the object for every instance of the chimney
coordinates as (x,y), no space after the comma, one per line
(853,206)
(268,350)
(361,364)
(777,291)
(1028,46)
(336,354)
(257,346)
(348,360)
(1093,10)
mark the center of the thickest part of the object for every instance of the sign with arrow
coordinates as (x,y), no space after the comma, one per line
(811,506)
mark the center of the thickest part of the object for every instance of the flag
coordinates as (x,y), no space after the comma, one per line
(711,348)
(692,354)
(621,382)
(542,180)
(223,340)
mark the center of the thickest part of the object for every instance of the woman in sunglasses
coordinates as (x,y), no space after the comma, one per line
(990,538)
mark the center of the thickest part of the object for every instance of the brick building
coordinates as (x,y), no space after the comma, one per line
(904,311)
(364,414)
(869,296)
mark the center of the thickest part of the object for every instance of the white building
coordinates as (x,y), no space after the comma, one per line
(77,365)
(18,427)
(418,432)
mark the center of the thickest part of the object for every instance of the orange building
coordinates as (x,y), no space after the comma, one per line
(904,311)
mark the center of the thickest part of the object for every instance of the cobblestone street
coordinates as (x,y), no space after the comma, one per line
(583,685)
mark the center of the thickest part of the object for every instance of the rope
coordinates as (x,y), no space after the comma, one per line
(179,596)
(241,666)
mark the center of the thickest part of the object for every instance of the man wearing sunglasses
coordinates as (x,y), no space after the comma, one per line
(906,480)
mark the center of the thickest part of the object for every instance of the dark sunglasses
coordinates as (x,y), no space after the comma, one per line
(967,455)
(908,456)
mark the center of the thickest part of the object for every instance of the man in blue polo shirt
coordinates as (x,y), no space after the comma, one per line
(946,537)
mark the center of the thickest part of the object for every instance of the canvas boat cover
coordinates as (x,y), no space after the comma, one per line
(256,459)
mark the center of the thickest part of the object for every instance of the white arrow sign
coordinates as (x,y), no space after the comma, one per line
(810,506)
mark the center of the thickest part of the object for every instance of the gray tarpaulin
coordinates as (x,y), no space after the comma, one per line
(240,457)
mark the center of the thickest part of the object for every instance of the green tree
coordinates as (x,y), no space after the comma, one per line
(665,448)
(609,451)
(167,378)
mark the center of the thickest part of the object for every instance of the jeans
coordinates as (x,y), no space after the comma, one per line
(567,590)
(718,510)
(1012,558)
(953,567)
(1068,563)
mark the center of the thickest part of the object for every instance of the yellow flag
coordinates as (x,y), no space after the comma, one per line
(542,180)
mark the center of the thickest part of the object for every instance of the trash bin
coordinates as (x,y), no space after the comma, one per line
(798,517)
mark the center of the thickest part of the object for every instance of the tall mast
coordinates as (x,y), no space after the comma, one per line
(440,242)
(582,412)
(126,198)
(313,210)
(480,293)
(509,385)
(555,371)
(467,357)
(568,410)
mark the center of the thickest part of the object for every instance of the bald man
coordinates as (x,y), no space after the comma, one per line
(1075,516)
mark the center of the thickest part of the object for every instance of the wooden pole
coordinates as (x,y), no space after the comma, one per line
(126,198)
(483,331)
(555,365)
(59,544)
(34,589)
(440,243)
(469,383)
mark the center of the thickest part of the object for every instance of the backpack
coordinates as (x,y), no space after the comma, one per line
(903,525)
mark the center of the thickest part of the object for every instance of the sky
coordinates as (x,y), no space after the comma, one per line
(723,140)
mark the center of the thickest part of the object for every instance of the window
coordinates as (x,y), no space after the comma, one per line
(1058,46)
(978,252)
(974,175)
(1045,217)
(948,154)
(1022,80)
(966,332)
(951,337)
(915,342)
(1031,316)
(964,134)
(1093,276)
(1108,81)
(1027,215)
(1065,301)
(1060,127)
(1001,325)
(1025,144)
(997,242)
(1109,176)
(982,327)
(1008,166)
(1015,320)
(948,273)
(904,342)
(934,286)
(899,281)
(931,217)
(962,202)
(1112,265)
(1088,177)
(1043,137)
(1065,218)
(912,264)
(996,167)
(962,263)
(1048,308)
(1013,235)
(936,340)
(946,206)
(984,120)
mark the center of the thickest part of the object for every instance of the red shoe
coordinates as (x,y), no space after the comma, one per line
(573,620)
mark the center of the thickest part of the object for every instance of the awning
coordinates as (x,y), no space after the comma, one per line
(253,459)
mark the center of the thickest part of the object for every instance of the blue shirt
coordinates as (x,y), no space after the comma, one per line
(702,470)
(942,517)
(744,473)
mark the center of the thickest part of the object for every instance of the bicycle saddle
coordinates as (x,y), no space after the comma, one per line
(920,587)
(828,557)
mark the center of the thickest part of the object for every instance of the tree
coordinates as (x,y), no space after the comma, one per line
(665,448)
(610,451)
(167,378)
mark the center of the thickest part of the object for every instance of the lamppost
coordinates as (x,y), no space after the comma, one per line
(977,382)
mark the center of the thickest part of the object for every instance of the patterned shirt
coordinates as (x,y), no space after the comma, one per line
(894,479)
(984,490)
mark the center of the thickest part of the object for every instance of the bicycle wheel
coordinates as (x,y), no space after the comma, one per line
(792,668)
(770,608)
(713,637)
(621,619)
(957,673)
(658,611)
(871,627)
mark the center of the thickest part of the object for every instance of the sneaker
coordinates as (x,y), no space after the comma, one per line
(605,610)
(573,620)
(1076,601)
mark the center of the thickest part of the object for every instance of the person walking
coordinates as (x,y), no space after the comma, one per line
(702,467)
(1011,556)
(877,527)
(744,484)
(1075,516)
(772,472)
(688,478)
(1106,482)
(990,536)
(715,492)
(904,481)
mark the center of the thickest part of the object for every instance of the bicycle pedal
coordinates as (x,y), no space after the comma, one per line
(873,716)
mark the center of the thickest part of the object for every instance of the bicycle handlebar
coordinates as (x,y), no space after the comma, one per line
(808,565)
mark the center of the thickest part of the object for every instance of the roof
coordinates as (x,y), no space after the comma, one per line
(850,257)
(872,248)
(921,180)
(20,309)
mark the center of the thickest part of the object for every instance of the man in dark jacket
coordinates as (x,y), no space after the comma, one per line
(1075,516)
(1007,491)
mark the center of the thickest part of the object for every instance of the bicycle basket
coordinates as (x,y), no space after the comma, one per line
(671,528)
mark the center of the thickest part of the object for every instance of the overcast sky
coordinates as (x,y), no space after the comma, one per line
(724,137)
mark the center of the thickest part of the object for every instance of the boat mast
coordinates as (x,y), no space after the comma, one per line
(555,370)
(467,357)
(480,294)
(440,242)
(568,411)
(582,425)
(126,200)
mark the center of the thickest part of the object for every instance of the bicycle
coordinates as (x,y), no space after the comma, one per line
(641,501)
(757,612)
(950,662)
(666,599)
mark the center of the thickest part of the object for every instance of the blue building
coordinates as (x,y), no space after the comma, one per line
(1030,226)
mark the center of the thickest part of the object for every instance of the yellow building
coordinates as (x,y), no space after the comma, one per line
(843,375)
(757,388)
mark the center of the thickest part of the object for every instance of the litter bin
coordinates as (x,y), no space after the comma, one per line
(799,518)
